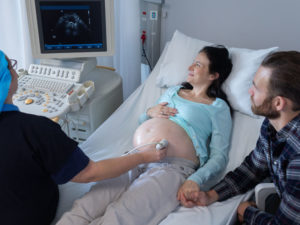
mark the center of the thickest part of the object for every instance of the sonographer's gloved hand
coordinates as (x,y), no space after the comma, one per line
(151,154)
(161,111)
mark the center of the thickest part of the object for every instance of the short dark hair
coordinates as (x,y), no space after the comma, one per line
(285,75)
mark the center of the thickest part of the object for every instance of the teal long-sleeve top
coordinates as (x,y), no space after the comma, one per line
(208,126)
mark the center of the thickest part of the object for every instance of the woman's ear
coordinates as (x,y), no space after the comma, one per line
(214,76)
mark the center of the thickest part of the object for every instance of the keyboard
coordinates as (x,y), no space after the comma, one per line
(44,96)
(44,84)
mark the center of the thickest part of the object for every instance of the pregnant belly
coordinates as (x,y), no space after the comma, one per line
(156,129)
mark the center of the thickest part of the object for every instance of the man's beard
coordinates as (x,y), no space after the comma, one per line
(265,109)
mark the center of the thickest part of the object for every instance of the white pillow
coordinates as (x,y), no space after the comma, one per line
(182,51)
(245,64)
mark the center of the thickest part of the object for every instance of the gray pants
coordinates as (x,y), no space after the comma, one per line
(143,196)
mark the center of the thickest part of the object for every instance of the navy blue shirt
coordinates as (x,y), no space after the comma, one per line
(36,155)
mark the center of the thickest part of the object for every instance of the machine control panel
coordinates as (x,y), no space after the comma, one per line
(51,91)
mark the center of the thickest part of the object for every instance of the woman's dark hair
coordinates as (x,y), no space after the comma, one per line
(219,62)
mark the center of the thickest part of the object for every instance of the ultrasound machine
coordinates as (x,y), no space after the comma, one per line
(67,85)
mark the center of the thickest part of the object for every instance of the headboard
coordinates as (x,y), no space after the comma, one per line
(250,24)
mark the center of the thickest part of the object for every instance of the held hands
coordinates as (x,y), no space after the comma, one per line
(189,195)
(161,111)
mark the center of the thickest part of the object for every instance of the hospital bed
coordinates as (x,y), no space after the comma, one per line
(114,136)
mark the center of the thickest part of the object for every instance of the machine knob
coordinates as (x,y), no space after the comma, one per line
(28,101)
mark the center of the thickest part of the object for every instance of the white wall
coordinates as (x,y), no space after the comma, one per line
(127,58)
(240,23)
(14,37)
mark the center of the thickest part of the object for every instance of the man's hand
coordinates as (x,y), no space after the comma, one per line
(190,195)
(241,209)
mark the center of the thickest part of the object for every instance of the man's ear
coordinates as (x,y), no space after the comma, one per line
(214,76)
(279,103)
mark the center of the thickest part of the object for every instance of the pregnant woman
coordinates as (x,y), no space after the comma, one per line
(195,119)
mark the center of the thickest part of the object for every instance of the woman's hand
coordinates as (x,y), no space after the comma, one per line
(188,194)
(161,111)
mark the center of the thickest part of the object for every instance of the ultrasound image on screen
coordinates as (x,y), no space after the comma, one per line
(80,25)
(70,28)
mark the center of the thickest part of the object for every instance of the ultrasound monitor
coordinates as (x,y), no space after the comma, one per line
(71,28)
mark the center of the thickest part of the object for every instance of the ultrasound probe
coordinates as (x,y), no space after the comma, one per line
(159,145)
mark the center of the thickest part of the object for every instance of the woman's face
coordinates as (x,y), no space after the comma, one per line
(199,70)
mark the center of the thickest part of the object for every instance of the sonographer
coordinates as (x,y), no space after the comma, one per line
(36,156)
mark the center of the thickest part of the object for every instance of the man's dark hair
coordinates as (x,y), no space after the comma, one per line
(285,75)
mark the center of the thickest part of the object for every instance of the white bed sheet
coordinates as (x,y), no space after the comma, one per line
(114,137)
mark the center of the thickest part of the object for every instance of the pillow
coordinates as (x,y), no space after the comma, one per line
(245,64)
(182,51)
